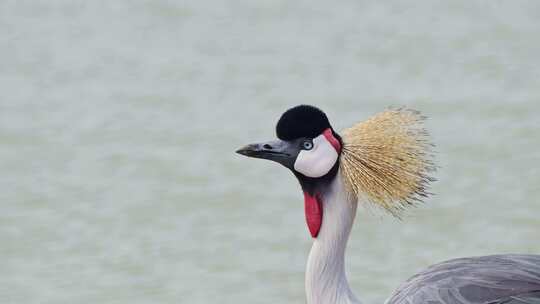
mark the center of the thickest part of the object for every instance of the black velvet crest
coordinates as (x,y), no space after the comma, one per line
(301,121)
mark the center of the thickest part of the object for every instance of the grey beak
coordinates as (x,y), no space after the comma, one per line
(283,152)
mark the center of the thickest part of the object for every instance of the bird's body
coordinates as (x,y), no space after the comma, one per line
(385,161)
(492,279)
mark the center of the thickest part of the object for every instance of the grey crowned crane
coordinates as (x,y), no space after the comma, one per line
(386,161)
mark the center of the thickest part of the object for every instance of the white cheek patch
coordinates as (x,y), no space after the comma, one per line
(317,161)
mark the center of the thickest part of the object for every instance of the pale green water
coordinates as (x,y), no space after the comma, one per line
(118,122)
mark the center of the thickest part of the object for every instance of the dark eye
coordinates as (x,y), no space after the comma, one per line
(307,145)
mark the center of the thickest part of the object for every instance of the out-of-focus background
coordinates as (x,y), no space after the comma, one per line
(119,121)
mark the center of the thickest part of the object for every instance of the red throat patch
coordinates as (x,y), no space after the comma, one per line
(314,213)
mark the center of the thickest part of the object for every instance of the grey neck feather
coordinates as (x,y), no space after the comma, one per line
(326,281)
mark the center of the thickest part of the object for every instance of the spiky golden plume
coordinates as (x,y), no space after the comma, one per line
(388,159)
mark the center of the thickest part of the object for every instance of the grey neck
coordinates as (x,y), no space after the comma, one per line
(326,281)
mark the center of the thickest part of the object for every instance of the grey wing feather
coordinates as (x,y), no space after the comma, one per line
(531,298)
(494,279)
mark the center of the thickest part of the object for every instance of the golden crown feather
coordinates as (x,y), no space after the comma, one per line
(388,160)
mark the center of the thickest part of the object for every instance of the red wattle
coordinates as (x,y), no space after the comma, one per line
(314,213)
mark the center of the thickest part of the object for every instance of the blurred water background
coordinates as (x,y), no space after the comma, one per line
(119,121)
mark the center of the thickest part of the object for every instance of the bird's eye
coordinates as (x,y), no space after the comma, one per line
(307,145)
